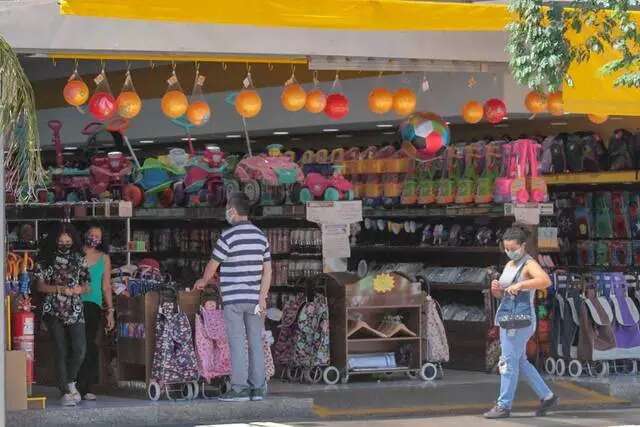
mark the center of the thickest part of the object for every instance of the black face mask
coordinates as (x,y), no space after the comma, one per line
(64,249)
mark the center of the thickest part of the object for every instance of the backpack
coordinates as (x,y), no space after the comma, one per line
(574,152)
(595,153)
(621,145)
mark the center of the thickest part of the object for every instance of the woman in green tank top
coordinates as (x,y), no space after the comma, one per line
(99,296)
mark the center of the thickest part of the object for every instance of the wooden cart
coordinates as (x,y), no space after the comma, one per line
(371,298)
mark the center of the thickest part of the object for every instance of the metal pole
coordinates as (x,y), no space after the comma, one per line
(246,136)
(3,327)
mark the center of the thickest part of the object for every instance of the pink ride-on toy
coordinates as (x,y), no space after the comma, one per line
(268,178)
(336,187)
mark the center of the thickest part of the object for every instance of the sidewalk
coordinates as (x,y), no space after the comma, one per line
(458,393)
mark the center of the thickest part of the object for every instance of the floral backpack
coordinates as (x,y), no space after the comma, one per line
(311,346)
(174,359)
(435,347)
(212,345)
(285,344)
(214,357)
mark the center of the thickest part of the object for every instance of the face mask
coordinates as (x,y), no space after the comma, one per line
(64,249)
(92,242)
(515,255)
(227,216)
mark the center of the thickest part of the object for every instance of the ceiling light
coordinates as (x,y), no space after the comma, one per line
(344,135)
(616,118)
(67,154)
(559,123)
(388,133)
(295,138)
(502,125)
(384,125)
(146,141)
(189,139)
(392,64)
(71,148)
(281,132)
(233,136)
(330,130)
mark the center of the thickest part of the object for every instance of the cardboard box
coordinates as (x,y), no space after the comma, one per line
(15,380)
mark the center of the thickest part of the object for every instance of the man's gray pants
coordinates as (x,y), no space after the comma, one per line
(245,327)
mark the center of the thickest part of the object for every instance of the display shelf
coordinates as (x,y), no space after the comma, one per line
(389,339)
(421,248)
(383,307)
(495,211)
(378,370)
(458,287)
(593,178)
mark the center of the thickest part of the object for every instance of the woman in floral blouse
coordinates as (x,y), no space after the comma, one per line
(62,275)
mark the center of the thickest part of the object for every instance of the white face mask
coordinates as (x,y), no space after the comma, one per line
(515,255)
(228,216)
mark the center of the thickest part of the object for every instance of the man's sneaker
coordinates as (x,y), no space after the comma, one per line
(257,394)
(90,397)
(68,400)
(545,405)
(497,412)
(74,392)
(235,396)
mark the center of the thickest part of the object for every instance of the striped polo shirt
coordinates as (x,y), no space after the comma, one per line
(241,250)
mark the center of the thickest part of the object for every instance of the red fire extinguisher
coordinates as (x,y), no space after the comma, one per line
(23,333)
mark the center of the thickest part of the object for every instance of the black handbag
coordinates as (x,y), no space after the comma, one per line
(515,310)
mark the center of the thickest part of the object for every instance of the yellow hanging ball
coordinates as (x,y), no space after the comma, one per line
(404,102)
(293,97)
(174,104)
(316,101)
(248,103)
(380,100)
(472,112)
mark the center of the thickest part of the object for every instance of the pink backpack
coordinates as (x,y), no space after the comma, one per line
(214,358)
(502,189)
(211,344)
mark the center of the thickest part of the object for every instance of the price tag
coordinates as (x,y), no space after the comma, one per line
(99,79)
(172,80)
(200,80)
(527,215)
(247,81)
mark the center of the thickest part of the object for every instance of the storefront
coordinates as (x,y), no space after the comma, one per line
(412,130)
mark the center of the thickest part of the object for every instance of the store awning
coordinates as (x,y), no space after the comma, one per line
(369,15)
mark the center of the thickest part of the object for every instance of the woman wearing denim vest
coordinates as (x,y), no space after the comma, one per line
(521,275)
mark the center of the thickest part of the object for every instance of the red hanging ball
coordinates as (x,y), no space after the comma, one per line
(102,105)
(495,110)
(337,106)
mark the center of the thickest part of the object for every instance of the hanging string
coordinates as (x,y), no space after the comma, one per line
(246,136)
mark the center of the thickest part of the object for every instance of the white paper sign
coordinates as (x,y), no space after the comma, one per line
(347,212)
(335,241)
(527,215)
(548,237)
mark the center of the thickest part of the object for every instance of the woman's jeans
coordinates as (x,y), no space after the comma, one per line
(513,362)
(67,338)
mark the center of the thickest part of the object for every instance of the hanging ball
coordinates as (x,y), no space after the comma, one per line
(102,105)
(316,101)
(198,113)
(495,110)
(248,103)
(293,97)
(380,100)
(76,92)
(597,119)
(337,106)
(174,104)
(555,104)
(129,104)
(535,102)
(404,102)
(472,112)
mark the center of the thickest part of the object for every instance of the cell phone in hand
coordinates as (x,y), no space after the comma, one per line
(257,310)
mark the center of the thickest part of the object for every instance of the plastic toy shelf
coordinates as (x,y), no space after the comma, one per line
(593,178)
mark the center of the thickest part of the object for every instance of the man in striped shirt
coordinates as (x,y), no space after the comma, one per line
(242,253)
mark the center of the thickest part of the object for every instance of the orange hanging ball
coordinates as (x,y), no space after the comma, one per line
(293,97)
(76,92)
(535,102)
(248,103)
(555,104)
(174,104)
(472,112)
(380,100)
(129,104)
(316,101)
(198,113)
(598,119)
(404,102)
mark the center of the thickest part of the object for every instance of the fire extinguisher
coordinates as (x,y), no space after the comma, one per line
(23,323)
